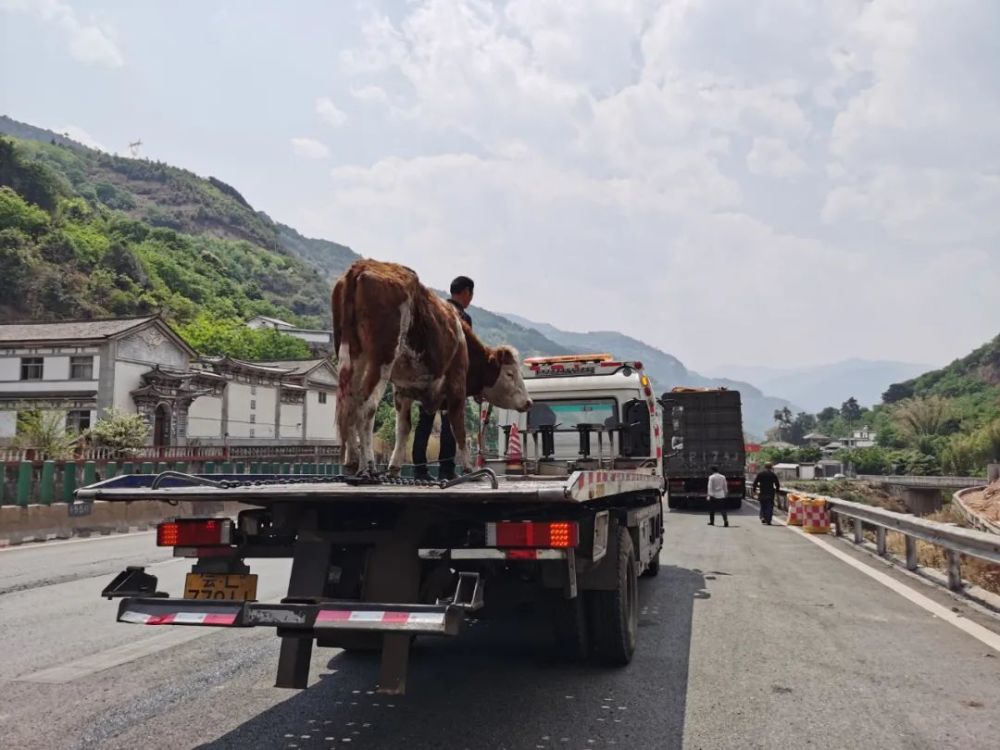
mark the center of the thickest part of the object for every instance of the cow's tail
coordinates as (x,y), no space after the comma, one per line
(344,327)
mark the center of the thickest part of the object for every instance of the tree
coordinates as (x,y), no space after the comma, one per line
(850,410)
(809,454)
(801,426)
(897,392)
(215,336)
(45,431)
(16,213)
(783,418)
(872,460)
(921,418)
(125,433)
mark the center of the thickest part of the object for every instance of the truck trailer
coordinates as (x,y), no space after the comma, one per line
(702,428)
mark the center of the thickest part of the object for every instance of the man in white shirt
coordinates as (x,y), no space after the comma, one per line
(717,489)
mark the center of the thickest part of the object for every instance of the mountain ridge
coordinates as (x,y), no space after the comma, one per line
(818,386)
(666,370)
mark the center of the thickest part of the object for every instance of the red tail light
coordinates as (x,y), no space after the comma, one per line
(195,532)
(533,534)
(734,482)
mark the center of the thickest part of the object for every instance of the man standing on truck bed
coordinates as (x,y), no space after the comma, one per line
(462,289)
(765,489)
(717,491)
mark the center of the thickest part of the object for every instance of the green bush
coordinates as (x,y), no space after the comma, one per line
(124,433)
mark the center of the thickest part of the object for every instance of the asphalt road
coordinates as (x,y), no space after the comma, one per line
(751,637)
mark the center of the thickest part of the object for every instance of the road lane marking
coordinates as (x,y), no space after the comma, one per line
(114,657)
(977,631)
(118,655)
(62,542)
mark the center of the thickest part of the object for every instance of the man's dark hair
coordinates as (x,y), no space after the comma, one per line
(461,283)
(715,469)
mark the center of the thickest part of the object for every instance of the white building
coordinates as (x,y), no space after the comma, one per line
(139,365)
(862,438)
(318,339)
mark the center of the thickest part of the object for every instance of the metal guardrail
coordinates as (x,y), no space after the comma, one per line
(922,481)
(955,540)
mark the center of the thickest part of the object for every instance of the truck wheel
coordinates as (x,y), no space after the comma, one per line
(569,627)
(653,569)
(735,504)
(614,615)
(675,503)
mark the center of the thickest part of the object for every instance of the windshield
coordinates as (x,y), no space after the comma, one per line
(567,414)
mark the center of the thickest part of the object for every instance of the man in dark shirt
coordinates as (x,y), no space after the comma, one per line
(462,289)
(765,489)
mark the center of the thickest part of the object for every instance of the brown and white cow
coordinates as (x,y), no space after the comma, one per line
(389,328)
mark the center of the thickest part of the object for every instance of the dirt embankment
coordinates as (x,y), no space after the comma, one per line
(985,503)
(854,491)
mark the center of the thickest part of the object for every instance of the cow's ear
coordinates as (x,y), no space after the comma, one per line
(507,356)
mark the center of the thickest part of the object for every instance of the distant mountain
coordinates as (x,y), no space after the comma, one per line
(664,369)
(829,385)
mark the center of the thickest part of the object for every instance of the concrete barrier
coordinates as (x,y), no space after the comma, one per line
(38,523)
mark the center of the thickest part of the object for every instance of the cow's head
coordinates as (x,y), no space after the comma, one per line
(508,390)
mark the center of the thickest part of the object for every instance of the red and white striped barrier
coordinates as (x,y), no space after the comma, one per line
(794,509)
(374,619)
(815,516)
(179,618)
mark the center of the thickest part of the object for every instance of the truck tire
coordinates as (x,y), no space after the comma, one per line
(674,503)
(569,627)
(614,615)
(653,569)
(735,504)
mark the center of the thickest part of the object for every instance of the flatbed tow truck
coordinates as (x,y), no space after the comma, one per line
(377,561)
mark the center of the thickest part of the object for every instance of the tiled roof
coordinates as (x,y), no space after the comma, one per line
(70,330)
(297,366)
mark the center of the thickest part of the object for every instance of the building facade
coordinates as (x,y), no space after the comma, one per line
(82,369)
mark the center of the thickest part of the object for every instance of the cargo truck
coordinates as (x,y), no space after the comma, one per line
(702,428)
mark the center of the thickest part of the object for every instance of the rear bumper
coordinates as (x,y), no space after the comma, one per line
(306,618)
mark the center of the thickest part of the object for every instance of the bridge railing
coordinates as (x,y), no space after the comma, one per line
(954,540)
(922,481)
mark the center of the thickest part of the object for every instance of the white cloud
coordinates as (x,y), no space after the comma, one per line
(330,113)
(371,94)
(613,147)
(773,158)
(89,42)
(78,134)
(309,148)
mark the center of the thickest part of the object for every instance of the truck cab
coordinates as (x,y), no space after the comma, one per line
(588,411)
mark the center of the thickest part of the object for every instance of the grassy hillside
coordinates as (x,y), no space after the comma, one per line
(971,385)
(88,234)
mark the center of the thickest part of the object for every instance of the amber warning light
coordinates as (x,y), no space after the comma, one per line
(195,532)
(550,534)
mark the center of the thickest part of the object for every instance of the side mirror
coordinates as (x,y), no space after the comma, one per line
(635,441)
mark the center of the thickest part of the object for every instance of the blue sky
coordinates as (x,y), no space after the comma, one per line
(753,181)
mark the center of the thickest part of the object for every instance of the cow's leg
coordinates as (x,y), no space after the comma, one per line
(404,409)
(456,418)
(366,419)
(350,434)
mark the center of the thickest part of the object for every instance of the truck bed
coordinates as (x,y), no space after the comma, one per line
(267,489)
